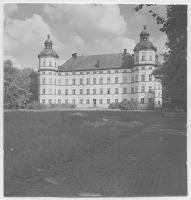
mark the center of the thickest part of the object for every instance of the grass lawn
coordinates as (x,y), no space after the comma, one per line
(34,141)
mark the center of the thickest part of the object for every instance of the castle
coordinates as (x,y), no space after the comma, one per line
(98,80)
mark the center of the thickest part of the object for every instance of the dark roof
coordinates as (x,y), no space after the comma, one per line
(48,52)
(145,44)
(144,32)
(48,41)
(106,61)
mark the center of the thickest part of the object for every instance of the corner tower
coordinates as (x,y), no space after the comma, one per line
(48,72)
(144,64)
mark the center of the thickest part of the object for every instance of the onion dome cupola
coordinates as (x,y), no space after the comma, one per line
(144,41)
(48,51)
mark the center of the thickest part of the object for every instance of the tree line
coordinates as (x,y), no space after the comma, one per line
(20,86)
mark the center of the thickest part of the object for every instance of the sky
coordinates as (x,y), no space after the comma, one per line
(85,29)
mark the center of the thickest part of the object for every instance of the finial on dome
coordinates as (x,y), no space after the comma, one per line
(145,27)
(48,36)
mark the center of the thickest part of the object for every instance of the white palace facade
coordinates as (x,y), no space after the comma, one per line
(98,80)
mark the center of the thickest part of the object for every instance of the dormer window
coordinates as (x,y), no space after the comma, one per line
(143,56)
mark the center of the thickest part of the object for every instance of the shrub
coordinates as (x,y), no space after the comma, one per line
(150,106)
(168,104)
(114,106)
(67,105)
(35,105)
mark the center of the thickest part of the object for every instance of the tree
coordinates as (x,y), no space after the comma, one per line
(33,86)
(173,72)
(16,86)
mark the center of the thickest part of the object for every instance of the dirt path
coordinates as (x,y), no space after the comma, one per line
(149,163)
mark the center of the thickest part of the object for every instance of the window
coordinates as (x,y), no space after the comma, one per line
(50,90)
(116,79)
(116,71)
(150,67)
(59,101)
(87,72)
(66,100)
(116,100)
(158,102)
(88,91)
(142,77)
(43,62)
(59,81)
(101,90)
(73,81)
(73,73)
(43,101)
(88,81)
(54,91)
(43,91)
(159,86)
(143,56)
(87,101)
(108,79)
(66,73)
(94,91)
(55,101)
(55,81)
(124,90)
(50,101)
(150,56)
(43,81)
(150,77)
(50,72)
(150,88)
(132,99)
(81,91)
(50,63)
(94,80)
(142,100)
(101,80)
(73,101)
(108,72)
(136,58)
(59,73)
(136,77)
(125,70)
(159,95)
(116,90)
(101,72)
(142,88)
(66,91)
(132,79)
(124,79)
(81,101)
(59,91)
(136,89)
(108,90)
(66,82)
(108,101)
(55,64)
(142,68)
(73,91)
(81,72)
(43,72)
(150,100)
(132,89)
(50,81)
(94,72)
(81,81)
(101,101)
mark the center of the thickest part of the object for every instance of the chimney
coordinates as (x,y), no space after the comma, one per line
(125,51)
(74,55)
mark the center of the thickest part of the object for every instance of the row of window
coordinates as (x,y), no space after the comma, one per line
(95,80)
(143,57)
(150,100)
(50,63)
(108,91)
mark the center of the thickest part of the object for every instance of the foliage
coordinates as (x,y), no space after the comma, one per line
(114,106)
(33,86)
(173,72)
(168,104)
(67,105)
(35,105)
(150,106)
(16,86)
(126,105)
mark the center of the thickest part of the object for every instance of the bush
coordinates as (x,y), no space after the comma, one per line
(126,105)
(35,105)
(150,106)
(67,105)
(168,104)
(114,106)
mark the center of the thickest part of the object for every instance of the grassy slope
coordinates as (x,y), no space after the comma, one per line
(38,140)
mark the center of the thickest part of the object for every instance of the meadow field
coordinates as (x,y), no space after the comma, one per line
(36,141)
